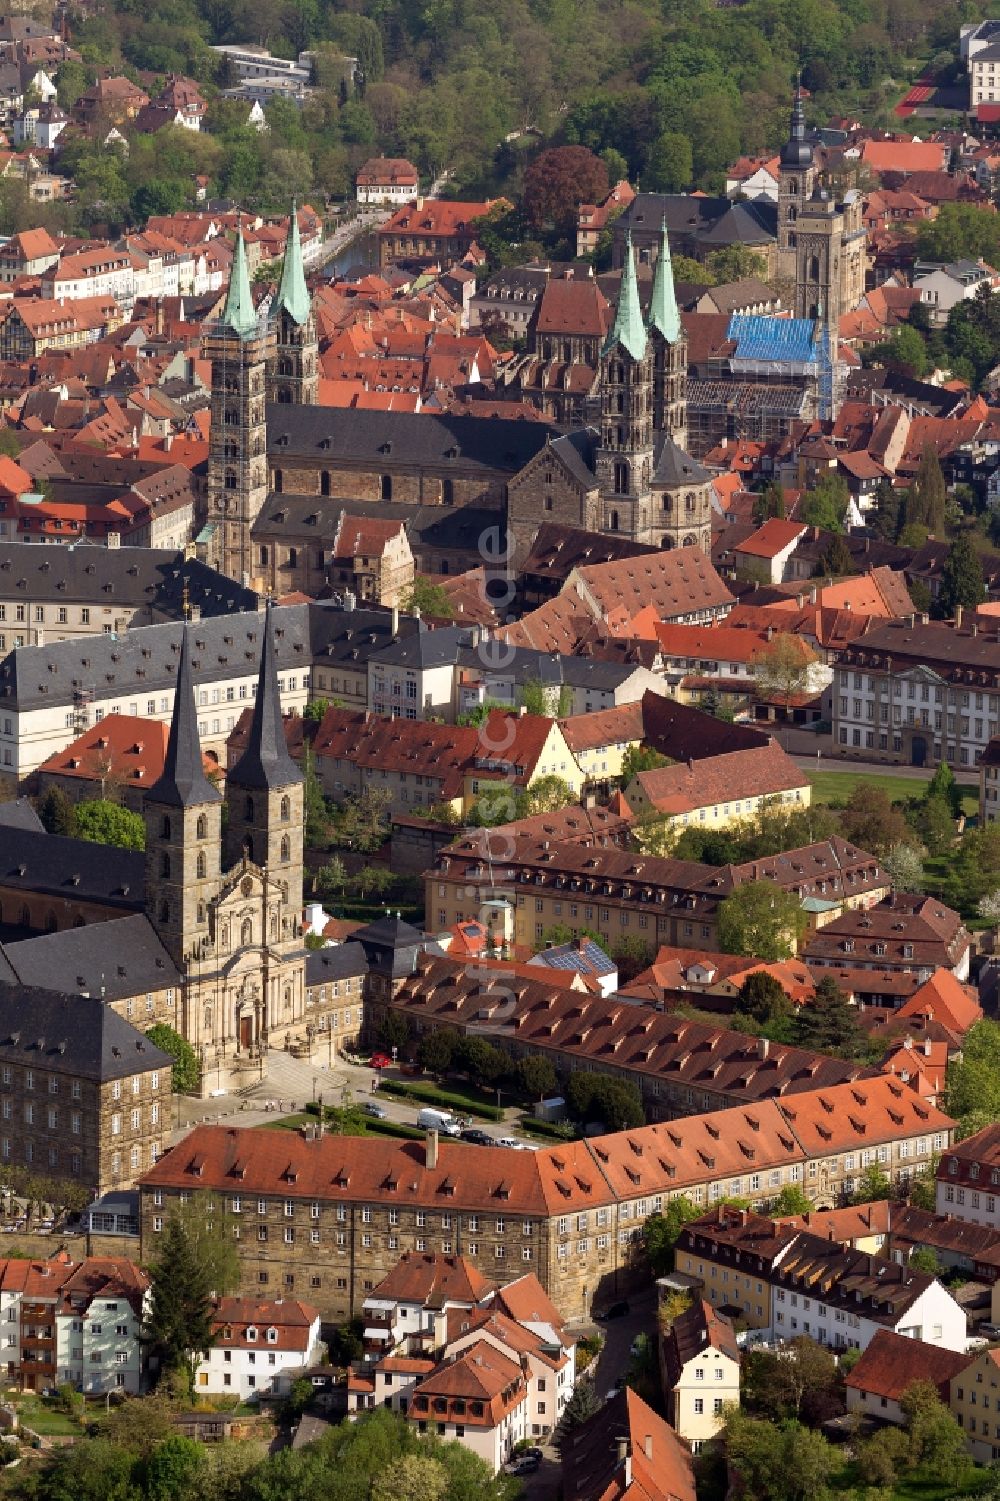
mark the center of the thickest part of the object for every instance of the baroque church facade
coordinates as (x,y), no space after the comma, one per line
(226,903)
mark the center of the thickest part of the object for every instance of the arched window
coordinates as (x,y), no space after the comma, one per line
(164,867)
(621,477)
(231,449)
(165,827)
(263,555)
(164,911)
(231,481)
(201,912)
(668,503)
(286,848)
(225,937)
(448,492)
(286,809)
(201,827)
(324,482)
(248,810)
(288,998)
(667,543)
(814,268)
(208,1019)
(284,396)
(274,927)
(614,521)
(246,932)
(385,487)
(618,372)
(690,541)
(201,867)
(285,366)
(689,503)
(277,481)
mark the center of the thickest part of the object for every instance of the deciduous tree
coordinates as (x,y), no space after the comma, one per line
(186,1070)
(558,180)
(101,822)
(761,920)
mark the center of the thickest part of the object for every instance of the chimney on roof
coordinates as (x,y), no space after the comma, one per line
(420,200)
(431,1150)
(623,1448)
(395,622)
(959,612)
(925,618)
(813,595)
(927,1047)
(763,1047)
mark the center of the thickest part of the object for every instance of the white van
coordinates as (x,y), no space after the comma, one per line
(438,1120)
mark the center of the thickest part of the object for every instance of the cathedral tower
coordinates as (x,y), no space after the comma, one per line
(240,348)
(669,344)
(796,179)
(264,793)
(293,374)
(624,459)
(183,815)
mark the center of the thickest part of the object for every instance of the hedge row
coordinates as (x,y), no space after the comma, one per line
(429,1094)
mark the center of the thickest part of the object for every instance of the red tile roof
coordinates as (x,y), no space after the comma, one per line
(432,1280)
(764,772)
(772,538)
(893,1362)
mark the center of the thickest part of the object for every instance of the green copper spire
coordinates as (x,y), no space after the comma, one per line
(663,314)
(238,313)
(293,294)
(628,330)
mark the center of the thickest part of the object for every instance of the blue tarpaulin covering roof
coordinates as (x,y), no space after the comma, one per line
(761,338)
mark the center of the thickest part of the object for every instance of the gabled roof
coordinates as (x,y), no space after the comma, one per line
(657,1465)
(432,1280)
(893,1362)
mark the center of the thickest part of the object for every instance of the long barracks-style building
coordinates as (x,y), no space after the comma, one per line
(328,1217)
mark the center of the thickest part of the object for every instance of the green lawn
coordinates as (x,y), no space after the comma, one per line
(837,786)
(45,1418)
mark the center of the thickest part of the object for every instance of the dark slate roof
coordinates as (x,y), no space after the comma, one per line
(349,637)
(577,451)
(138,576)
(19,814)
(442,527)
(423,648)
(389,439)
(72,1034)
(558,549)
(265,763)
(183,783)
(343,961)
(675,468)
(388,932)
(55,866)
(144,661)
(522,664)
(713,221)
(117,959)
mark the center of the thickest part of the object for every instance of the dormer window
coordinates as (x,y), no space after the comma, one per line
(251,1335)
(272,1336)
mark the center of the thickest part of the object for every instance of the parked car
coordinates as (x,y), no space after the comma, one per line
(522,1464)
(371,1107)
(616,1311)
(612,1392)
(507,1141)
(477,1136)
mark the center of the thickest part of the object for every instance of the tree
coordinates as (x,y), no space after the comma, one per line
(961,578)
(835,560)
(364,819)
(93,1471)
(736,263)
(414,1477)
(431,599)
(108,823)
(209,1227)
(174,1468)
(480,1060)
(763,997)
(937,1442)
(927,496)
(537,1077)
(925,1259)
(781,668)
(882,1458)
(801,1382)
(558,180)
(872,822)
(905,867)
(372,880)
(598,1097)
(315,811)
(942,784)
(904,350)
(533,697)
(936,824)
(885,518)
(769,503)
(436,1050)
(825,505)
(186,1069)
(583,1404)
(871,1186)
(331,878)
(989,907)
(179,1324)
(786,1463)
(315,709)
(393,1031)
(761,920)
(827,1023)
(660,1232)
(548,794)
(791,1200)
(640,758)
(57,813)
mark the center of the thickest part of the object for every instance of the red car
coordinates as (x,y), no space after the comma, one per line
(381,1060)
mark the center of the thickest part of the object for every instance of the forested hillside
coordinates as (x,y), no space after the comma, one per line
(671,92)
